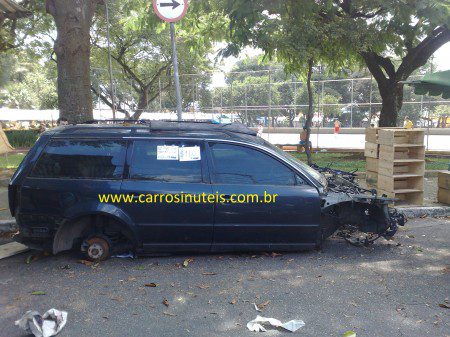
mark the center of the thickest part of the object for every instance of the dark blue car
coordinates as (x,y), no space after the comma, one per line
(56,193)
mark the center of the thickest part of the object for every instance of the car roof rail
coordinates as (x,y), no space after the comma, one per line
(118,121)
(175,125)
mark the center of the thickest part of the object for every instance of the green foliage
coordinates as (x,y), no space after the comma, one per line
(22,138)
(26,84)
(141,51)
(442,110)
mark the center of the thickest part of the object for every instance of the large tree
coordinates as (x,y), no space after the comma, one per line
(73,19)
(141,53)
(395,38)
(376,32)
(291,31)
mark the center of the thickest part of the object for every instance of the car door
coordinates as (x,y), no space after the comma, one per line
(291,220)
(160,173)
(67,178)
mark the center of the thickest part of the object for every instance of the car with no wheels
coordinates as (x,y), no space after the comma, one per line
(56,193)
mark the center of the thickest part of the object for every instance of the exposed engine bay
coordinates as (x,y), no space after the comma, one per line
(357,214)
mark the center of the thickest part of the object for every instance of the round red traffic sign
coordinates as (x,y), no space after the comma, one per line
(170,10)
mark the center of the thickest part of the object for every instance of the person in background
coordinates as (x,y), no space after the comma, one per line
(408,124)
(62,121)
(337,126)
(303,136)
(260,130)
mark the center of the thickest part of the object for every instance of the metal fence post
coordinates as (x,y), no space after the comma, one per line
(246,107)
(351,107)
(270,99)
(370,101)
(160,94)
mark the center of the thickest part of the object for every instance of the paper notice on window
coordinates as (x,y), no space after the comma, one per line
(191,153)
(164,152)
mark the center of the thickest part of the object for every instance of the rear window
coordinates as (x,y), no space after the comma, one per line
(160,160)
(81,159)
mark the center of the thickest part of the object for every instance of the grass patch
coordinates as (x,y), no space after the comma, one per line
(352,161)
(22,138)
(11,161)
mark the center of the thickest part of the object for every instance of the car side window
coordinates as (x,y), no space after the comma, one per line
(81,159)
(167,161)
(234,164)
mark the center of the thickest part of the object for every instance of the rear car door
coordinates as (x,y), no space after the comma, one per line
(158,169)
(292,221)
(66,180)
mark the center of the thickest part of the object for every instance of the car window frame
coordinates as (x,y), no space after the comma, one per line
(204,165)
(213,169)
(50,140)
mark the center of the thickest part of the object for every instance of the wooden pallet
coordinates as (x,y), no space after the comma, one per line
(371,150)
(444,187)
(400,136)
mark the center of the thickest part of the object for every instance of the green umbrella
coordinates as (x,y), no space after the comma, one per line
(435,84)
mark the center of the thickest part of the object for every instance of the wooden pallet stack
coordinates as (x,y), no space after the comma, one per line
(371,153)
(444,187)
(401,164)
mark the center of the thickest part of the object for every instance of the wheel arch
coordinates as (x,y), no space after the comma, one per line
(74,227)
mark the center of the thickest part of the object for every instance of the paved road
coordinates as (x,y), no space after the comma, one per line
(386,290)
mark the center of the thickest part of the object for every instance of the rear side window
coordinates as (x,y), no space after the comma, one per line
(235,164)
(81,159)
(167,161)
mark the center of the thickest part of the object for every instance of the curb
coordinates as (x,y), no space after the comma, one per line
(8,226)
(421,211)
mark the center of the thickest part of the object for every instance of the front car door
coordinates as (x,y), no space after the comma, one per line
(291,222)
(172,168)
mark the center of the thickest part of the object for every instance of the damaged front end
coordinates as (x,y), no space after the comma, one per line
(358,215)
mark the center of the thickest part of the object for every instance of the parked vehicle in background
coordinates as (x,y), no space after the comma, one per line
(54,194)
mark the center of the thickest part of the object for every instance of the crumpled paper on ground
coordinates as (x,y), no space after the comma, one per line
(257,325)
(49,324)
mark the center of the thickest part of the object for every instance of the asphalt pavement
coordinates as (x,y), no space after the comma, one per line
(393,288)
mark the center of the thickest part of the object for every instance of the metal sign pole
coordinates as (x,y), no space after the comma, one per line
(175,70)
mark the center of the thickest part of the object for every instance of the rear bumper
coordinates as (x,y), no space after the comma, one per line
(44,244)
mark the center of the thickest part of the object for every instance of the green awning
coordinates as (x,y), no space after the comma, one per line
(435,84)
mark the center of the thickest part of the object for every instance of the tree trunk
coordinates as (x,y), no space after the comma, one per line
(73,19)
(309,115)
(392,101)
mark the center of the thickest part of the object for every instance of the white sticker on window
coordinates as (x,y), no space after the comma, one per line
(191,153)
(164,152)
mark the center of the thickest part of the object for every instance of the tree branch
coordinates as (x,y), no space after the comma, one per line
(419,55)
(108,103)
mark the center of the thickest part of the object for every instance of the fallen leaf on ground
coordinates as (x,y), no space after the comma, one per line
(203,286)
(263,304)
(140,268)
(165,302)
(349,333)
(233,301)
(131,278)
(168,313)
(86,262)
(186,262)
(38,293)
(445,306)
(152,284)
(275,254)
(208,273)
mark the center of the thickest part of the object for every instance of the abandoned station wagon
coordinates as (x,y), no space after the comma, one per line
(54,194)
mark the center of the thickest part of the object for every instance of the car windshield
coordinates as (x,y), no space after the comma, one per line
(298,164)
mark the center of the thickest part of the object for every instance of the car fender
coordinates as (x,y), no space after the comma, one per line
(71,228)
